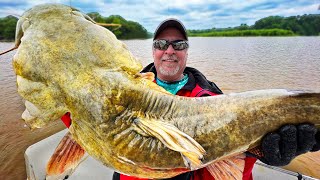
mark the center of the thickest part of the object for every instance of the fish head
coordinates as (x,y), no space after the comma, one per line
(62,53)
(63,36)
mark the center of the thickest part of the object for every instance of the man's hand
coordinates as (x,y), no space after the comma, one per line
(279,148)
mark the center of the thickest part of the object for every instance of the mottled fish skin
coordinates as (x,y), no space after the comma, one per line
(66,63)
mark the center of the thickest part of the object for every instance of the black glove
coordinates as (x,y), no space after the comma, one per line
(316,147)
(279,148)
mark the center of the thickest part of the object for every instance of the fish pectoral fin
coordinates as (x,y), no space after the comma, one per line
(148,75)
(148,78)
(231,168)
(191,151)
(66,157)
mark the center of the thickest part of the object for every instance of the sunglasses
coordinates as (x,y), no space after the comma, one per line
(177,45)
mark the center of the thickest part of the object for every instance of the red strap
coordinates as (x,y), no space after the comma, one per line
(247,172)
(66,119)
(201,174)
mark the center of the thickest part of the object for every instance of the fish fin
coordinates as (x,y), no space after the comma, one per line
(191,151)
(66,157)
(231,168)
(148,78)
(148,75)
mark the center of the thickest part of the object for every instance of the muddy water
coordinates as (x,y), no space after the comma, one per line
(235,64)
(15,136)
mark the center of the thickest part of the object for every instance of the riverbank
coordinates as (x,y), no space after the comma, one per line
(245,33)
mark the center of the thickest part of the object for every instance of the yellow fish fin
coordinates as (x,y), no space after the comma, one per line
(231,168)
(148,78)
(191,151)
(66,157)
(148,75)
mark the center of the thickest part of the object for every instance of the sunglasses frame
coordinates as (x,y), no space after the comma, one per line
(174,44)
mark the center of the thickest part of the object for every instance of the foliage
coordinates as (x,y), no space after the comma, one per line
(251,32)
(127,30)
(7,28)
(306,25)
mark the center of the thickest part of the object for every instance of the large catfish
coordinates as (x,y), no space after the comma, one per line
(67,63)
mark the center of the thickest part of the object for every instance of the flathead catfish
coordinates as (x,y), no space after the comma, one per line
(67,63)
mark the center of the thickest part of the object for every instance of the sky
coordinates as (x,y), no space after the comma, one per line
(195,14)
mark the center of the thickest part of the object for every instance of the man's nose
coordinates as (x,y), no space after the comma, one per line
(170,50)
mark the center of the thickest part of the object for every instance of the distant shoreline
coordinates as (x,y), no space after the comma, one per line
(300,25)
(200,35)
(245,32)
(4,41)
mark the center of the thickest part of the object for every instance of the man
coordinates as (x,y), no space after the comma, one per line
(170,53)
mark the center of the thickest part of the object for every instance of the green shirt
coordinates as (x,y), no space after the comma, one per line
(173,87)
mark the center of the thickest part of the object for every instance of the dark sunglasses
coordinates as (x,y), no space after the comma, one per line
(163,44)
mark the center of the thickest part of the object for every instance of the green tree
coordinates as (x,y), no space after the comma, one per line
(96,17)
(270,22)
(127,30)
(7,28)
(243,27)
(306,25)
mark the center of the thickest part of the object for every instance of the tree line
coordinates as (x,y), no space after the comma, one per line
(305,25)
(8,28)
(127,30)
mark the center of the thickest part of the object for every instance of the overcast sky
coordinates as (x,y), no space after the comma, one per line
(195,14)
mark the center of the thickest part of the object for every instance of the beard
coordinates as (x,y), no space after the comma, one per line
(169,72)
(175,67)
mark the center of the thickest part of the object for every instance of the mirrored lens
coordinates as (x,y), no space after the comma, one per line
(163,44)
(179,45)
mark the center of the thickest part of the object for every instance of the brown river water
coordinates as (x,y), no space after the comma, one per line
(235,64)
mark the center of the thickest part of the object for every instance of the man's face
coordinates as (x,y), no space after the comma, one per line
(170,63)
